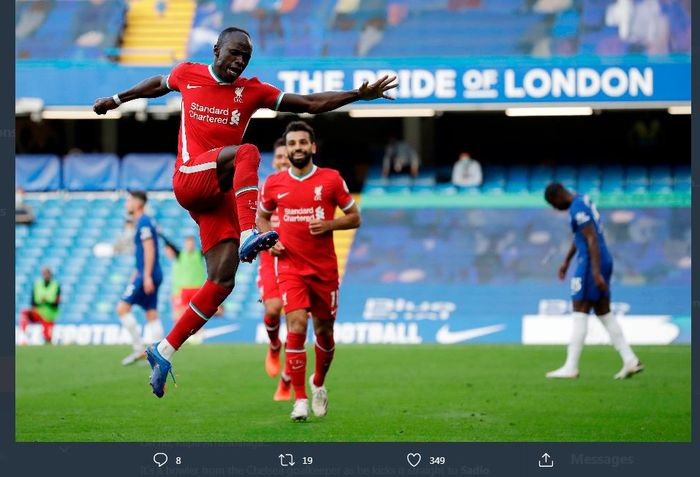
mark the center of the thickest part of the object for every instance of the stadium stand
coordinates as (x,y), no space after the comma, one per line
(90,29)
(70,29)
(72,230)
(38,172)
(147,172)
(153,172)
(610,178)
(67,235)
(446,28)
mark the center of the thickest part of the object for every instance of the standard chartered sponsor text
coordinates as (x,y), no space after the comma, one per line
(306,214)
(209,114)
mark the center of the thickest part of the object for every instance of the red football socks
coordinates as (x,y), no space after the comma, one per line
(272,325)
(325,348)
(295,356)
(245,184)
(202,306)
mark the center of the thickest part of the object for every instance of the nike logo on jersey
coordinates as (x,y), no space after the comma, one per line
(280,196)
(445,336)
(191,86)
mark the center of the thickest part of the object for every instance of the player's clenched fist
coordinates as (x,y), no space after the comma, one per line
(102,105)
(318,227)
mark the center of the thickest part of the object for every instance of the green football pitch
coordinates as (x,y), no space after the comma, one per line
(376,393)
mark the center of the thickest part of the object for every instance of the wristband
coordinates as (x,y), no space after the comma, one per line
(116,99)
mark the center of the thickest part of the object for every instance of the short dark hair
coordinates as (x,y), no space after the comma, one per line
(299,126)
(139,194)
(553,190)
(228,31)
(279,143)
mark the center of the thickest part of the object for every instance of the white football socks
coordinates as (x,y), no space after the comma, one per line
(129,322)
(245,234)
(154,331)
(166,350)
(578,336)
(618,338)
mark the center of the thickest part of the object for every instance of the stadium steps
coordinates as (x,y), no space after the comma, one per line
(157,37)
(342,239)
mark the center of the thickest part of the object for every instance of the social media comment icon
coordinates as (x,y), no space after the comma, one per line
(160,458)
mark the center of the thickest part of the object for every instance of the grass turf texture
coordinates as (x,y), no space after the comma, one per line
(376,393)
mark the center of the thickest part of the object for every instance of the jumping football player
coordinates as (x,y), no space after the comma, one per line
(215,175)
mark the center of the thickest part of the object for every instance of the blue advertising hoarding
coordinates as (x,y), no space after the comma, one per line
(461,83)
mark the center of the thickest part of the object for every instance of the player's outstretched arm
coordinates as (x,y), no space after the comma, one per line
(153,87)
(323,102)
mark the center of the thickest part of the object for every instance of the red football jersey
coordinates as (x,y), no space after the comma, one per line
(298,201)
(215,113)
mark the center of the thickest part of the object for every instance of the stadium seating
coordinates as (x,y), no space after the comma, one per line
(72,228)
(147,172)
(589,178)
(38,172)
(67,28)
(91,29)
(389,28)
(153,172)
(64,237)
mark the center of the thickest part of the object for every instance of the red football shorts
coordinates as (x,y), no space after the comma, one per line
(196,188)
(267,278)
(320,297)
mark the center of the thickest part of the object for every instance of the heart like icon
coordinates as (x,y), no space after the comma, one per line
(413,458)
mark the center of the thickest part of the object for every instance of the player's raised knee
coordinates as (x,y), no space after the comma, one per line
(248,149)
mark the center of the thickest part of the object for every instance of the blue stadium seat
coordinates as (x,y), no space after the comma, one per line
(540,176)
(147,172)
(90,172)
(566,175)
(682,175)
(374,189)
(566,25)
(612,179)
(494,179)
(636,179)
(660,179)
(73,30)
(518,179)
(445,189)
(588,179)
(37,172)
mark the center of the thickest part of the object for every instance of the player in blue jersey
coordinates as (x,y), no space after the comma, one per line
(590,285)
(143,286)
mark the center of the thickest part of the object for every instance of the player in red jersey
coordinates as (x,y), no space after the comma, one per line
(215,175)
(305,198)
(267,283)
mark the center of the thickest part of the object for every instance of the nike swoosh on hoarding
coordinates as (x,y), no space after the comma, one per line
(445,336)
(220,330)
